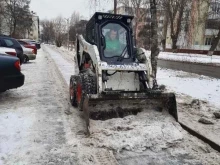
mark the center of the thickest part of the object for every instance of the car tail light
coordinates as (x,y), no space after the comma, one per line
(33,51)
(17,65)
(11,53)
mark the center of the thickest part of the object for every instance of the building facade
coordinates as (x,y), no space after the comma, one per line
(34,32)
(6,26)
(202,26)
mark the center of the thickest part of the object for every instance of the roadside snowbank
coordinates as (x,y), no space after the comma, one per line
(193,58)
(196,86)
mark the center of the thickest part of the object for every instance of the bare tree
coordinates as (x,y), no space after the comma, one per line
(97,2)
(1,13)
(48,34)
(75,18)
(214,23)
(17,14)
(175,10)
(78,28)
(214,43)
(137,8)
(60,30)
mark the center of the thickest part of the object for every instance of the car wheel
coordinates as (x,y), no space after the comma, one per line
(26,59)
(21,61)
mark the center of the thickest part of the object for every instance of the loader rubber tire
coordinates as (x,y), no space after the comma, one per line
(72,90)
(87,81)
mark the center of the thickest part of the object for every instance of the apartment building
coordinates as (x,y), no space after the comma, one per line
(6,26)
(34,32)
(202,26)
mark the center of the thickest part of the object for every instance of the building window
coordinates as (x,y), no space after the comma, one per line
(196,43)
(208,41)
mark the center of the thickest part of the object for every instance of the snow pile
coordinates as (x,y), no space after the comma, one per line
(148,130)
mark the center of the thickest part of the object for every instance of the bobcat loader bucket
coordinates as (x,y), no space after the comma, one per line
(117,105)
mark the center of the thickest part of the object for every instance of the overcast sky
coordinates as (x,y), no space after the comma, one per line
(52,8)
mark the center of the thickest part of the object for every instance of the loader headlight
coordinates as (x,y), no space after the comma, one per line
(100,17)
(129,20)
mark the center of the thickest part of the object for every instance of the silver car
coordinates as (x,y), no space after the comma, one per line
(28,54)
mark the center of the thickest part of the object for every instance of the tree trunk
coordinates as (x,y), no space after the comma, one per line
(154,37)
(214,44)
(115,6)
(174,42)
(165,26)
(14,29)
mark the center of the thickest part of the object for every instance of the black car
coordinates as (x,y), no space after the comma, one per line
(10,73)
(6,41)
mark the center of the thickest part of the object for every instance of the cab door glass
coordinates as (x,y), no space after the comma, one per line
(115,40)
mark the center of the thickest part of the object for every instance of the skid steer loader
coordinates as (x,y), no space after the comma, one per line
(115,78)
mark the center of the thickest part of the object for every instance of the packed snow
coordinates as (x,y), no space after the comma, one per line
(34,128)
(118,135)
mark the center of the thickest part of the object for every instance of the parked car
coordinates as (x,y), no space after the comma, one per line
(28,54)
(36,43)
(28,45)
(9,51)
(6,41)
(10,73)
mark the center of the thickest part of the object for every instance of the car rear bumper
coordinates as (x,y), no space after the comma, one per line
(10,82)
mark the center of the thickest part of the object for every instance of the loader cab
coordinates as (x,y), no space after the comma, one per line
(112,34)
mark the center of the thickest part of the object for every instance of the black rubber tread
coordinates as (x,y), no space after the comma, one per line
(89,84)
(21,59)
(73,81)
(25,60)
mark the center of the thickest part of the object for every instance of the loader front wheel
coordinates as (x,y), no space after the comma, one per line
(86,84)
(72,90)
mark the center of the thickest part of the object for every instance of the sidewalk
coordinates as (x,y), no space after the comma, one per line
(66,68)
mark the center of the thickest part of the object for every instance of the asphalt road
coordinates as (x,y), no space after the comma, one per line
(202,69)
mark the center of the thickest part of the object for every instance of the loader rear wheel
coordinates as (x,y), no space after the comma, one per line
(86,84)
(72,90)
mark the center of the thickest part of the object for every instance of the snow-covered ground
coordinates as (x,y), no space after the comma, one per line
(194,85)
(34,128)
(190,87)
(118,135)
